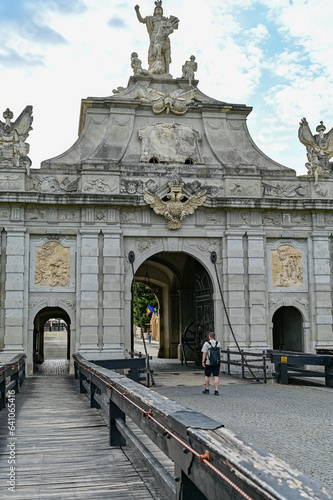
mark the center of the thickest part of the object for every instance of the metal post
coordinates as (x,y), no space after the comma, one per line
(242,358)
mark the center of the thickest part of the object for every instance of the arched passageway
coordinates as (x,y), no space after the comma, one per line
(45,328)
(185,295)
(288,329)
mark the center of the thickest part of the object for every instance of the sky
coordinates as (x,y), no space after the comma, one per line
(272,55)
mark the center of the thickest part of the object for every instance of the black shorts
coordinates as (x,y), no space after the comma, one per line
(215,370)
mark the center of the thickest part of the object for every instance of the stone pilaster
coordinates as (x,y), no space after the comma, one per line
(88,312)
(14,291)
(257,293)
(113,293)
(322,290)
(234,286)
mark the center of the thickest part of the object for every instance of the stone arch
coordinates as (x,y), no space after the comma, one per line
(288,329)
(47,309)
(170,285)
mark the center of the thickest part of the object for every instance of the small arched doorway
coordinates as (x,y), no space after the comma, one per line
(288,329)
(51,335)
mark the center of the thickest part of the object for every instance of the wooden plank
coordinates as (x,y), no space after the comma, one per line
(61,448)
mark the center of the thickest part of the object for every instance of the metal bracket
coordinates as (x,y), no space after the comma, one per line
(131,257)
(213,257)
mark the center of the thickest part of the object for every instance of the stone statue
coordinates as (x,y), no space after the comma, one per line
(13,148)
(189,68)
(137,65)
(319,148)
(159,28)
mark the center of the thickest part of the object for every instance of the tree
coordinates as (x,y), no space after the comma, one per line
(145,296)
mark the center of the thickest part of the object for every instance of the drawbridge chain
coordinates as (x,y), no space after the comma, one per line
(213,258)
(131,258)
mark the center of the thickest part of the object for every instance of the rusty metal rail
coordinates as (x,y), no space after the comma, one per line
(209,461)
(12,375)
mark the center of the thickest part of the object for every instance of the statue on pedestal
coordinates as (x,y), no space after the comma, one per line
(319,148)
(13,148)
(189,68)
(159,28)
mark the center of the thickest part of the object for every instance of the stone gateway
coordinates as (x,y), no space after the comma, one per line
(162,170)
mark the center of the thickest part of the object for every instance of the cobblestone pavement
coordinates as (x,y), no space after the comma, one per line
(293,422)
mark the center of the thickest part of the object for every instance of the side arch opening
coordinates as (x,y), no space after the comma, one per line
(51,336)
(288,329)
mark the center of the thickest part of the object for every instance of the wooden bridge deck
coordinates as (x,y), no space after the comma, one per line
(61,448)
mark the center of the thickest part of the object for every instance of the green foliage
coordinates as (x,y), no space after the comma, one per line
(145,297)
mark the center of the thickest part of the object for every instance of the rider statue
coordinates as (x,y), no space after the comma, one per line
(159,28)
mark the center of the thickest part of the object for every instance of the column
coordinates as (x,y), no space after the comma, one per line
(14,291)
(322,292)
(257,293)
(88,310)
(234,287)
(113,293)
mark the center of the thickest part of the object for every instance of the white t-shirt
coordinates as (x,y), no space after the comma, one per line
(206,348)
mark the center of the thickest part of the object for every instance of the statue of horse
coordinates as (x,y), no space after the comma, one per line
(161,49)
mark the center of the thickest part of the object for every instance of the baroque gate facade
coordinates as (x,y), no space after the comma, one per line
(171,174)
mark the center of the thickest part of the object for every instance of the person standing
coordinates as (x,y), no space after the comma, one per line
(211,353)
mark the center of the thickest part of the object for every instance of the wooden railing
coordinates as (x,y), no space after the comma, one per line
(292,364)
(12,375)
(254,360)
(210,462)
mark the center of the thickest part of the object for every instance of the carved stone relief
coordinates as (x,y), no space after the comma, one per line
(131,186)
(321,190)
(244,189)
(36,214)
(205,245)
(131,216)
(99,185)
(170,142)
(287,267)
(286,190)
(11,182)
(245,217)
(4,213)
(303,219)
(68,215)
(274,218)
(215,218)
(52,265)
(50,184)
(178,205)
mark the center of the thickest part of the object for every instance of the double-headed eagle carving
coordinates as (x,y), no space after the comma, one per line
(175,210)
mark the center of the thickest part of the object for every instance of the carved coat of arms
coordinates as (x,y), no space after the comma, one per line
(177,207)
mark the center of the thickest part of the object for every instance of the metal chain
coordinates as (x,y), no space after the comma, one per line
(213,260)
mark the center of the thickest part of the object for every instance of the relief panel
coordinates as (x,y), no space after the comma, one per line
(52,263)
(287,266)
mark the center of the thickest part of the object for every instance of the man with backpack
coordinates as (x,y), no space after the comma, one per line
(211,359)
